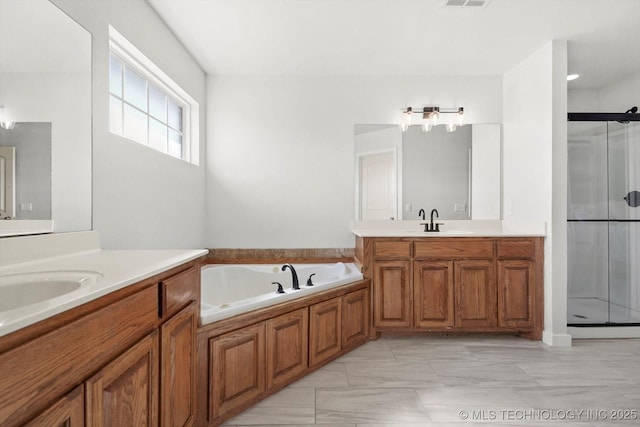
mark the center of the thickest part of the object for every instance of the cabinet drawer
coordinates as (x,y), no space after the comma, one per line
(454,248)
(392,249)
(179,290)
(516,248)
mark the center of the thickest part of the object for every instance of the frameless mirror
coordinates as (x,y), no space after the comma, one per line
(45,89)
(398,173)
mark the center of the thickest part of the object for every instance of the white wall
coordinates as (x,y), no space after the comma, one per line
(280,159)
(534,167)
(141,198)
(486,171)
(616,97)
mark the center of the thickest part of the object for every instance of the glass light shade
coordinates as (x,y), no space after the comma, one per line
(434,117)
(460,116)
(405,120)
(450,127)
(426,125)
(5,123)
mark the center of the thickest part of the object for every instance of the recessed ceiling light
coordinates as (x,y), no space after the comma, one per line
(573,76)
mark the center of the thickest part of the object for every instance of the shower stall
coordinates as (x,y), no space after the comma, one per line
(603,214)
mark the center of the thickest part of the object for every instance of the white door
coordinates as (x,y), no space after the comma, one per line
(378,189)
(7,182)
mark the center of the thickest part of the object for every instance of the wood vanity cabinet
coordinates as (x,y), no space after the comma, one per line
(518,295)
(125,359)
(392,293)
(66,412)
(455,284)
(125,392)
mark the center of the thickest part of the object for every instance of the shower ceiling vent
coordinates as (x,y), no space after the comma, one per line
(465,3)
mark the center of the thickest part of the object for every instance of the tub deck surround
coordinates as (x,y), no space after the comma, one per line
(229,290)
(79,251)
(275,256)
(247,357)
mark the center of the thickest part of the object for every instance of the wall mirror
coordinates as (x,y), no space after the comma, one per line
(398,173)
(45,89)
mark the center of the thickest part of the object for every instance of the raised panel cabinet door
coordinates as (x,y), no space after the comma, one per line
(475,294)
(287,347)
(237,368)
(66,412)
(324,330)
(392,294)
(125,392)
(433,294)
(355,318)
(515,293)
(178,368)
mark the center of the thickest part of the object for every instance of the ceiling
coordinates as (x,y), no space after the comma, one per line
(404,37)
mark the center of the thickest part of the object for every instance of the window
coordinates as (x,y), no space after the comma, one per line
(146,106)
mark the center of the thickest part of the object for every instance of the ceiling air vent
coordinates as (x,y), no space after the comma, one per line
(465,3)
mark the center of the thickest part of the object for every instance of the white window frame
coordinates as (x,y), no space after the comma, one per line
(131,56)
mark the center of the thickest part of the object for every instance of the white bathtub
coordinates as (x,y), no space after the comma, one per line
(232,289)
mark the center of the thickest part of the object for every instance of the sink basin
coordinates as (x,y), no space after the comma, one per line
(24,289)
(421,232)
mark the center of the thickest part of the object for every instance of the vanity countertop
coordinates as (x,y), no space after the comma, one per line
(117,268)
(458,228)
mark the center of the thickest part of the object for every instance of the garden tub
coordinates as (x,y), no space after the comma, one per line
(232,289)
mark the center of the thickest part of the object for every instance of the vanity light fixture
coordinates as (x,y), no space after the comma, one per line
(4,123)
(431,117)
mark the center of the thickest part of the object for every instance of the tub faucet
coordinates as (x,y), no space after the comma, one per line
(421,213)
(294,275)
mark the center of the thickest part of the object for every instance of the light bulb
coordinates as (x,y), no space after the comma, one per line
(460,116)
(426,125)
(450,127)
(435,116)
(5,123)
(405,119)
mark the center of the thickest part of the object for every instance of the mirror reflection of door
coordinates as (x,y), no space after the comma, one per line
(378,187)
(7,186)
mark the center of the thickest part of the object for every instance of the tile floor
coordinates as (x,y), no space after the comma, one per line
(463,381)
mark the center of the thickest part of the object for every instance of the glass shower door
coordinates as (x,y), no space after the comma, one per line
(624,222)
(587,227)
(603,223)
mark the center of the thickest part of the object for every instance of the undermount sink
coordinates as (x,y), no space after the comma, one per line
(437,233)
(24,289)
(452,232)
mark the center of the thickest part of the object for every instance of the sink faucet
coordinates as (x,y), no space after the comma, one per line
(421,213)
(434,211)
(294,275)
(430,226)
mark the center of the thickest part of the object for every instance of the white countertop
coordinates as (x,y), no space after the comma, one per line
(458,228)
(118,269)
